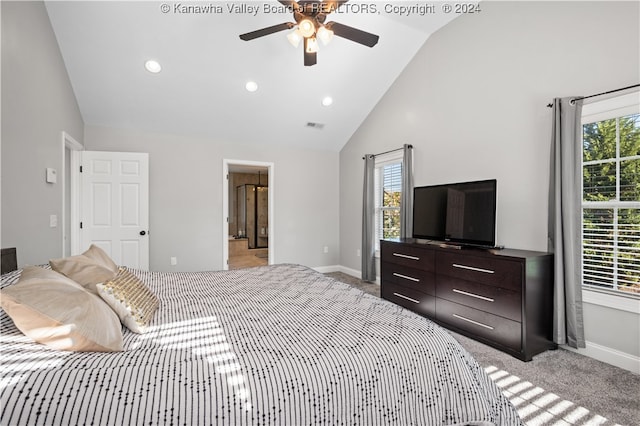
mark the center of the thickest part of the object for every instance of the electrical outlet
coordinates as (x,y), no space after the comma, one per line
(358,252)
(326,249)
(174,261)
(53,221)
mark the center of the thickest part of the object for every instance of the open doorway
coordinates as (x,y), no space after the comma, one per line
(247,214)
(70,163)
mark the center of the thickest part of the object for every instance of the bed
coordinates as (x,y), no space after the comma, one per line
(280,344)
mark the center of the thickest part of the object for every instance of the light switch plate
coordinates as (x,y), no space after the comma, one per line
(52,176)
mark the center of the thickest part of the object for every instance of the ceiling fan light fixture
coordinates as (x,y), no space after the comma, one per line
(325,35)
(312,45)
(309,25)
(306,27)
(294,38)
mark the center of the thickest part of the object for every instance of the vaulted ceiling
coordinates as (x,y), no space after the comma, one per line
(201,89)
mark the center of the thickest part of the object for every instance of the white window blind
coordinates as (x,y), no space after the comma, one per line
(611,195)
(388,196)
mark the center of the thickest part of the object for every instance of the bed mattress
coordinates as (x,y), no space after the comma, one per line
(279,344)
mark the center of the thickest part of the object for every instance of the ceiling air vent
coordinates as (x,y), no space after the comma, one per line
(313,125)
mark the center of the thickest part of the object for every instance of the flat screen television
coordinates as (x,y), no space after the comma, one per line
(460,213)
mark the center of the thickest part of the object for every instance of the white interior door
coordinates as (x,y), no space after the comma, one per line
(114,205)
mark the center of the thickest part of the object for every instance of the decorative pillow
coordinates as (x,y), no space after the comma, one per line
(131,299)
(87,269)
(58,312)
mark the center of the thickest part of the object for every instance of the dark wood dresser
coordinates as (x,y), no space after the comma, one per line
(503,298)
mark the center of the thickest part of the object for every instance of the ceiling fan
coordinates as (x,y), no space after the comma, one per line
(309,16)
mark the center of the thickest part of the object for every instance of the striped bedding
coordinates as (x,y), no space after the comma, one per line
(270,345)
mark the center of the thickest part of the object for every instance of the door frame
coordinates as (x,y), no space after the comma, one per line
(68,142)
(225,206)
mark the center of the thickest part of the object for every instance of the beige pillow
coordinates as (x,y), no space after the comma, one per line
(87,269)
(131,299)
(58,312)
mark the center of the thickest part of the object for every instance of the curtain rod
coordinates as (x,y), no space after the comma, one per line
(390,151)
(600,94)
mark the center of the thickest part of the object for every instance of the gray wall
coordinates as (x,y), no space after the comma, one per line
(472,103)
(185,194)
(37,105)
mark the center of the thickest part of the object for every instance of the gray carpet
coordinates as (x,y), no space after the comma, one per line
(558,387)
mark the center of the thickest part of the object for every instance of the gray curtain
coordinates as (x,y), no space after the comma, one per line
(406,206)
(565,221)
(368,221)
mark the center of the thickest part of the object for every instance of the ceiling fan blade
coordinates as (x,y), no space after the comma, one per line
(310,58)
(267,31)
(353,34)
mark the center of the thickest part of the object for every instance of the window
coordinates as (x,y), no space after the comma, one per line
(388,188)
(611,195)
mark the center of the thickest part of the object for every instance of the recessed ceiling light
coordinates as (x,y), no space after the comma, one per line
(251,86)
(152,66)
(327,100)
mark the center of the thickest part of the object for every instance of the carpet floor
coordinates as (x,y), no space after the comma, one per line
(557,387)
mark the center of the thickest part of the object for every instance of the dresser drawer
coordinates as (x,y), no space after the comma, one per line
(410,298)
(491,299)
(481,269)
(417,279)
(413,257)
(491,327)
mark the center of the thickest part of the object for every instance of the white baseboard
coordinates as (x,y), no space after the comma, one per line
(349,271)
(610,356)
(327,269)
(339,268)
(355,273)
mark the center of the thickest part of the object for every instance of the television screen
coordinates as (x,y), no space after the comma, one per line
(462,213)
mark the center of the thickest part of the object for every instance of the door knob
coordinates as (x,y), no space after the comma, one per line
(143,232)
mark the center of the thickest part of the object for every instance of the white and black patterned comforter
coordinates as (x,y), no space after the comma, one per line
(270,345)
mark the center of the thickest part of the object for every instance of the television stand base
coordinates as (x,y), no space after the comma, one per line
(439,244)
(449,246)
(457,246)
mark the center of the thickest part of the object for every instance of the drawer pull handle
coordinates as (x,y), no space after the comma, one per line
(406,256)
(406,277)
(477,296)
(405,297)
(473,322)
(473,268)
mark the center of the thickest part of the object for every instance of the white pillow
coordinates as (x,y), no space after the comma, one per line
(87,269)
(131,299)
(58,312)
